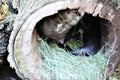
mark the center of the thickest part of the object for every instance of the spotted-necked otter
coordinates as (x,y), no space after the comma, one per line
(57,26)
(91,36)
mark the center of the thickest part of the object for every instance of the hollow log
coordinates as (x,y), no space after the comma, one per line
(23,44)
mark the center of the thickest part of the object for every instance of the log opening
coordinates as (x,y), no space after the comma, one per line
(23,40)
(46,27)
(107,34)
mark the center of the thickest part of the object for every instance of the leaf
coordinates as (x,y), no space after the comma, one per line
(4,8)
(2,16)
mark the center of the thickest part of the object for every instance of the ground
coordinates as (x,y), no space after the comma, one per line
(7,73)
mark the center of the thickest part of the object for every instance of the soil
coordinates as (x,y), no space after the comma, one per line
(7,73)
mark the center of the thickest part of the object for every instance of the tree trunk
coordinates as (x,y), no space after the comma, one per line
(23,44)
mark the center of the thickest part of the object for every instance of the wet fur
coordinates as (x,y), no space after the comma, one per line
(57,26)
(91,36)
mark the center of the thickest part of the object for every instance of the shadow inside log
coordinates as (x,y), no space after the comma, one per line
(90,30)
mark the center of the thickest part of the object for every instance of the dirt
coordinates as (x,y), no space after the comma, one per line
(7,73)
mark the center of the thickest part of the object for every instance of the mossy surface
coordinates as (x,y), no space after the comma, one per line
(61,65)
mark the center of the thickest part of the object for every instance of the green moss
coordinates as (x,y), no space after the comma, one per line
(116,73)
(61,65)
(74,44)
(22,67)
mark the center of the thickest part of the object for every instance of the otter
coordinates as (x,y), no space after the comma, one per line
(91,36)
(57,26)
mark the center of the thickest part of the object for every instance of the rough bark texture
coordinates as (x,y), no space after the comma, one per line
(23,55)
(7,17)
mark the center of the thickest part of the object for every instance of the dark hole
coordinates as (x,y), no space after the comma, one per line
(90,30)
